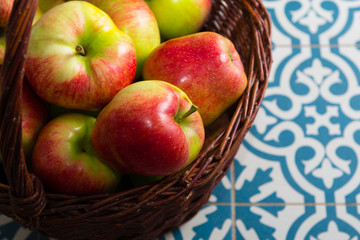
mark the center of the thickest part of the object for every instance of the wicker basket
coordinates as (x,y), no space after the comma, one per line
(148,211)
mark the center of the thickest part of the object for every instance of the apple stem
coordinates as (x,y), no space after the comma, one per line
(181,118)
(79,49)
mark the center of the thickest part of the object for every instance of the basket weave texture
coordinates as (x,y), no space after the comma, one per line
(148,211)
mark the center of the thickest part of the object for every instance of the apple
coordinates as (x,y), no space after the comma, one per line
(2,47)
(206,66)
(136,19)
(177,18)
(46,5)
(38,14)
(77,58)
(149,128)
(35,115)
(65,161)
(5,12)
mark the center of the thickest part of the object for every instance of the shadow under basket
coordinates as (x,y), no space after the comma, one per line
(149,211)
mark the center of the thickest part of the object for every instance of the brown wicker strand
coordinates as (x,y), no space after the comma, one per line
(243,105)
(27,197)
(11,84)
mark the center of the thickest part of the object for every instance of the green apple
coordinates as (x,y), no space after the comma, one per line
(65,161)
(178,18)
(77,58)
(38,14)
(135,18)
(150,128)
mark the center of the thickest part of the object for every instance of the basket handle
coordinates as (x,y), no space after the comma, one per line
(26,193)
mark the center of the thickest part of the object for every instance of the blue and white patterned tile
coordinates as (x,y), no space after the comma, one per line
(212,222)
(307,133)
(317,222)
(260,179)
(222,192)
(10,230)
(344,31)
(284,29)
(314,22)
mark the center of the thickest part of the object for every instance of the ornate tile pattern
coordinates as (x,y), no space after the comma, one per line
(297,174)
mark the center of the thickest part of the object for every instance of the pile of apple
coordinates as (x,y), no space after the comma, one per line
(116,88)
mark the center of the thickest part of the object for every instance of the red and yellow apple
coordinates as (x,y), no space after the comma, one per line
(77,58)
(5,12)
(149,128)
(206,66)
(177,18)
(35,114)
(136,19)
(65,161)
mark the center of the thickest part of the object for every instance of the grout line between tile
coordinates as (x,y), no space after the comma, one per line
(233,201)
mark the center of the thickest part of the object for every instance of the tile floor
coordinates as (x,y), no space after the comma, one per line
(297,174)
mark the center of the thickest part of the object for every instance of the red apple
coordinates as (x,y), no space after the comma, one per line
(35,115)
(5,11)
(205,66)
(77,58)
(149,128)
(135,18)
(65,161)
